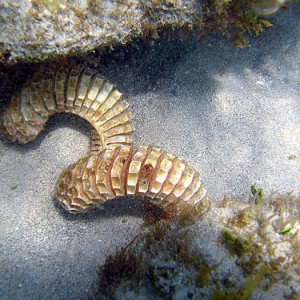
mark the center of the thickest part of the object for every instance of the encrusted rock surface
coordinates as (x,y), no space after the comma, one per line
(231,250)
(37,30)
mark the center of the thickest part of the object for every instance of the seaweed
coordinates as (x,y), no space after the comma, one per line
(159,259)
(238,245)
(251,284)
(236,20)
(51,5)
(168,261)
(258,193)
(121,266)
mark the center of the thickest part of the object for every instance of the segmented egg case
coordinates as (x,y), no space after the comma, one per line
(74,90)
(146,173)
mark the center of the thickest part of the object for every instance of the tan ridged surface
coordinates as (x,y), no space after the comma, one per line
(146,173)
(75,90)
(113,168)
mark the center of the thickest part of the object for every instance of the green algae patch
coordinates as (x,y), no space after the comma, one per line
(251,285)
(238,245)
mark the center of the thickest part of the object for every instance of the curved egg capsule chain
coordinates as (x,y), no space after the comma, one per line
(113,168)
(145,173)
(82,92)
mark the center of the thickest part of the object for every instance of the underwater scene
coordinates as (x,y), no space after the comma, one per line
(150,149)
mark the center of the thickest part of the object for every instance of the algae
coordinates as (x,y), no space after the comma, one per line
(170,260)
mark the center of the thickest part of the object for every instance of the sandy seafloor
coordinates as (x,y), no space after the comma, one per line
(234,114)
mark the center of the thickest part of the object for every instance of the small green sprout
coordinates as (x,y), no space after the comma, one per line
(254,189)
(286,230)
(258,193)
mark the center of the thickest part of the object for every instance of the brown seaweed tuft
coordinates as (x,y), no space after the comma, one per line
(236,20)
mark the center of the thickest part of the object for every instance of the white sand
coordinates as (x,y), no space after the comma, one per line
(234,114)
